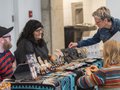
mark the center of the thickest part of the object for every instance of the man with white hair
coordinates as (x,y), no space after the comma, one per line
(6,57)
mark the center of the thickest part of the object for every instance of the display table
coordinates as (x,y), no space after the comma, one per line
(52,81)
(63,79)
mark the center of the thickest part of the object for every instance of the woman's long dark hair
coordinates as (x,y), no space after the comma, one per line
(28,30)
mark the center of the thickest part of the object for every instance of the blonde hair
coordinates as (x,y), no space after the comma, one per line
(102,13)
(111,53)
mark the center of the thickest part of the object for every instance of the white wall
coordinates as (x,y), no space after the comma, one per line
(21,12)
(67,11)
(114,6)
(6,12)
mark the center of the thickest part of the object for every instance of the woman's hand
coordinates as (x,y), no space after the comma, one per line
(88,71)
(47,64)
(94,68)
(52,58)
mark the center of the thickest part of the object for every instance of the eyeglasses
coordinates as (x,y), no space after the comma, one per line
(97,22)
(7,37)
(40,31)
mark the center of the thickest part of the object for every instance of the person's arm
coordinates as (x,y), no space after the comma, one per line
(24,47)
(90,41)
(14,65)
(87,81)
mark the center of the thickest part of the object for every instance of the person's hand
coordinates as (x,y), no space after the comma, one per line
(59,52)
(52,58)
(73,44)
(43,69)
(47,64)
(93,68)
(14,65)
(88,71)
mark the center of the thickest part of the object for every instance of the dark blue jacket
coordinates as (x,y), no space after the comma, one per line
(102,34)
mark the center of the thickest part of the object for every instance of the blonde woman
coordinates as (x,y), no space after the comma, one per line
(108,77)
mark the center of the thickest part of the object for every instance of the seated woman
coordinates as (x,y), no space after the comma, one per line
(108,77)
(31,41)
